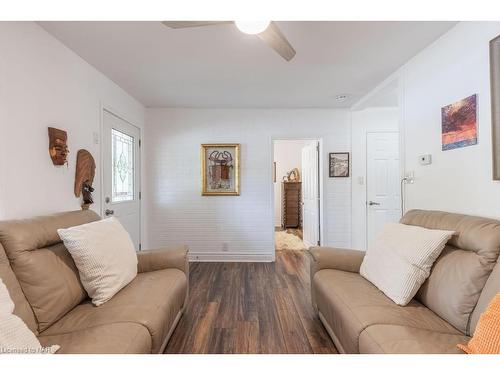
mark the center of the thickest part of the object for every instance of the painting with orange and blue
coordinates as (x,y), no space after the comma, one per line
(459,124)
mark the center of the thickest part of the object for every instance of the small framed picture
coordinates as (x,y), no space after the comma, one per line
(459,124)
(339,164)
(220,169)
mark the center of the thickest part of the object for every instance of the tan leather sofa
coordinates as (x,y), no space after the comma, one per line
(446,309)
(43,282)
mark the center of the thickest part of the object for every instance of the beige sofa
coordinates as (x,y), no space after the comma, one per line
(446,309)
(43,282)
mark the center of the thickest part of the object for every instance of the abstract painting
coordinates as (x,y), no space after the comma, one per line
(220,168)
(495,103)
(339,164)
(459,124)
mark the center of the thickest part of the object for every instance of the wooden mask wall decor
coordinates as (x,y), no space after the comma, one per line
(58,148)
(84,177)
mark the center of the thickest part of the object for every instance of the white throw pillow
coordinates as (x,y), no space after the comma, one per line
(104,255)
(15,336)
(401,258)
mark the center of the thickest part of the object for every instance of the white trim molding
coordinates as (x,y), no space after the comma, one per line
(230,257)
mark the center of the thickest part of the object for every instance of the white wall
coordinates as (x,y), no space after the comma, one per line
(287,156)
(454,67)
(364,121)
(177,213)
(43,83)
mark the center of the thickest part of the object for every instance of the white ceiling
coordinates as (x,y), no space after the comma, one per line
(218,66)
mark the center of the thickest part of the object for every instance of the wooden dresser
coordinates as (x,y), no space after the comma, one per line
(291,205)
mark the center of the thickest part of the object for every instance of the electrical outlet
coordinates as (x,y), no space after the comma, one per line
(225,246)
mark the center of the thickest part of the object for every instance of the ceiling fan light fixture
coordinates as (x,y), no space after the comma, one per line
(252,27)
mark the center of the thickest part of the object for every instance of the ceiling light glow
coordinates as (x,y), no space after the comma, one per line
(252,27)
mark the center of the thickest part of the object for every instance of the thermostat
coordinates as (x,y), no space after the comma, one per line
(425,159)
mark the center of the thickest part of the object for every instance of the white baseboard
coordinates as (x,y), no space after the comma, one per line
(230,257)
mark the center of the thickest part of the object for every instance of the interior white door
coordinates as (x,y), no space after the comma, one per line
(310,194)
(383,201)
(121,173)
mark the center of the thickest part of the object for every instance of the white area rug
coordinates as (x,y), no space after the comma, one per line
(288,241)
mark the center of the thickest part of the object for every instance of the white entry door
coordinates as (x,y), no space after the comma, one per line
(382,182)
(121,174)
(310,194)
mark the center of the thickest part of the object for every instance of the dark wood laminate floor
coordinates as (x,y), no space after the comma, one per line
(251,308)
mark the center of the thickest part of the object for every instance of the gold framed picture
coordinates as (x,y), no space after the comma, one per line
(220,169)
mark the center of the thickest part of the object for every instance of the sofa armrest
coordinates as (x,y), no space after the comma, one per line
(172,257)
(339,259)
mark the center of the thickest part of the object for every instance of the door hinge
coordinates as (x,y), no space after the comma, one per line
(140,247)
(140,195)
(140,142)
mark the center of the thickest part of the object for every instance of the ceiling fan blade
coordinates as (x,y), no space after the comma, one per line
(186,24)
(275,39)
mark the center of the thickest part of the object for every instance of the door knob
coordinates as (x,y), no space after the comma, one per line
(109,212)
(372,203)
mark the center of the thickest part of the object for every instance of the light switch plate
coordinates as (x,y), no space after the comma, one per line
(425,159)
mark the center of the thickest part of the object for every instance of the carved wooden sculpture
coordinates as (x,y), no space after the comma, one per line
(58,148)
(85,171)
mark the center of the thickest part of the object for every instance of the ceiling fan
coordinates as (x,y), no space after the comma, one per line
(264,30)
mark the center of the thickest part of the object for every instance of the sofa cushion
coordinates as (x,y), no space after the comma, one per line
(15,336)
(113,338)
(486,339)
(408,252)
(460,273)
(44,268)
(21,306)
(349,304)
(104,255)
(395,339)
(491,288)
(152,299)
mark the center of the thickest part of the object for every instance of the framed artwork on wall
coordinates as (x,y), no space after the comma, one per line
(220,169)
(495,103)
(459,124)
(338,164)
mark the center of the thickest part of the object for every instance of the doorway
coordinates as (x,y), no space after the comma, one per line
(297,199)
(121,173)
(383,197)
(376,165)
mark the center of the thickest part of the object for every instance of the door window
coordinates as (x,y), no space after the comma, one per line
(122,167)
